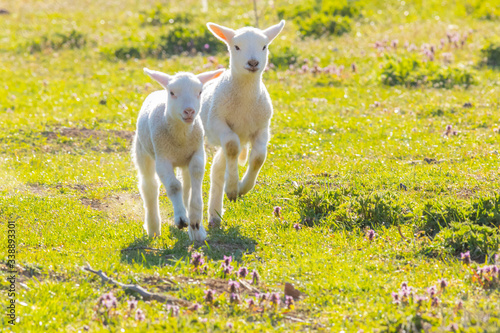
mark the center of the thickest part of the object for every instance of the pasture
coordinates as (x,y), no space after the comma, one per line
(384,163)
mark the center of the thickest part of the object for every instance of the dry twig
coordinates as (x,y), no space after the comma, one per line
(146,295)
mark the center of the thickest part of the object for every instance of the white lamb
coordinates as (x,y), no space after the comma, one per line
(170,135)
(236,112)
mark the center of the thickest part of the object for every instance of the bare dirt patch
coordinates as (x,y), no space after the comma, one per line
(230,248)
(65,139)
(28,272)
(86,133)
(118,205)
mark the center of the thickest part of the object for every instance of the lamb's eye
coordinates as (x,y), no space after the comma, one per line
(172,93)
(200,93)
(264,47)
(237,47)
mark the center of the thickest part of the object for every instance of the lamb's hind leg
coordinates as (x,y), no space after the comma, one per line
(256,160)
(216,189)
(148,186)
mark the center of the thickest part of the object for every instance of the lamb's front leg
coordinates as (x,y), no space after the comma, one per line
(255,162)
(196,230)
(216,189)
(231,146)
(165,171)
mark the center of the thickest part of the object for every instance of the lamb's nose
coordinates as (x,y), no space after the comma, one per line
(189,112)
(253,63)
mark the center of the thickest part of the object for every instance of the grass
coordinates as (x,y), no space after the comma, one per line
(348,153)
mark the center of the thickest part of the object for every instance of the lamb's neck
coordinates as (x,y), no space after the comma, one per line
(246,82)
(177,128)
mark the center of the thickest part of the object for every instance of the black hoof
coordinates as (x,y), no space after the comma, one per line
(182,223)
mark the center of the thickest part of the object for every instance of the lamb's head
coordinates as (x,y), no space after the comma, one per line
(183,92)
(248,47)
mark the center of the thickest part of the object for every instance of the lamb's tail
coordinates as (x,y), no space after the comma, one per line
(242,159)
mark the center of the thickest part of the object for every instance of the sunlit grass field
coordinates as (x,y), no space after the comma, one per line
(387,120)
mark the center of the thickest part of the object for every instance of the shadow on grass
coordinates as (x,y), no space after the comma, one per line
(220,242)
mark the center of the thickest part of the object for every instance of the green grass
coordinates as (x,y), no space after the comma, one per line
(348,153)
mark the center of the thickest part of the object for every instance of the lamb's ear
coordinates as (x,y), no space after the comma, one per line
(207,76)
(159,77)
(274,31)
(222,33)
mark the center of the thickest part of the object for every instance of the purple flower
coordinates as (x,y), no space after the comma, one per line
(460,304)
(275,299)
(443,283)
(370,235)
(395,297)
(466,257)
(132,304)
(404,285)
(353,67)
(404,293)
(494,269)
(229,326)
(227,269)
(435,301)
(262,297)
(196,307)
(197,259)
(250,302)
(432,291)
(234,298)
(173,310)
(227,260)
(108,300)
(394,44)
(243,272)
(496,258)
(233,286)
(277,211)
(297,226)
(420,299)
(211,59)
(255,277)
(206,46)
(139,315)
(209,296)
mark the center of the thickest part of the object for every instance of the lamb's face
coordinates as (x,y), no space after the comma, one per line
(248,51)
(184,92)
(247,46)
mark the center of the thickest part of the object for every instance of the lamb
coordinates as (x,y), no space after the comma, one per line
(236,112)
(170,135)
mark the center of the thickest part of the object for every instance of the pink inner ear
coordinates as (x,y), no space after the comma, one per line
(216,30)
(217,75)
(205,77)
